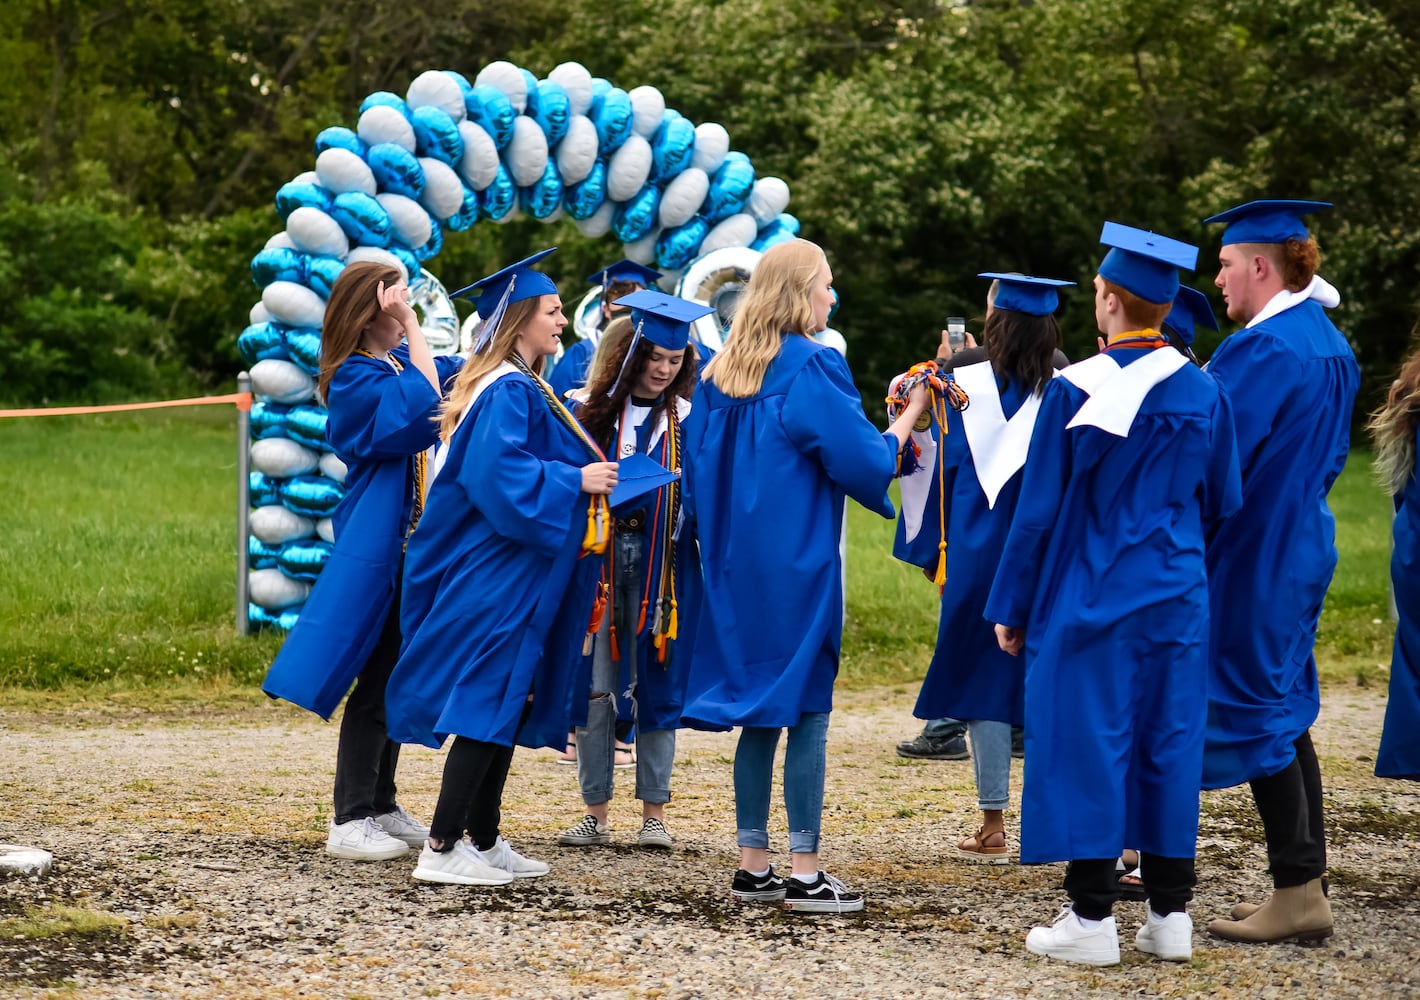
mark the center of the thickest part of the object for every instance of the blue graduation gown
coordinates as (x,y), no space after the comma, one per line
(1292,380)
(766,485)
(1104,568)
(378,422)
(969,676)
(572,367)
(1399,755)
(496,597)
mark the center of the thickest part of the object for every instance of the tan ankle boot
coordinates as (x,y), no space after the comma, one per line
(1241,911)
(1297,913)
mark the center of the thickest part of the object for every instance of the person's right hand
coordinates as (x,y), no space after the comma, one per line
(599,477)
(1011,640)
(945,350)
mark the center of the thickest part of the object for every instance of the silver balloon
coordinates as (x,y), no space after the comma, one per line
(435,309)
(716,280)
(588,313)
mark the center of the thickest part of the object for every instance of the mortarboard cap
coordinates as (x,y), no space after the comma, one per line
(1025,293)
(663,319)
(1191,309)
(625,270)
(1145,263)
(512,284)
(1267,221)
(637,476)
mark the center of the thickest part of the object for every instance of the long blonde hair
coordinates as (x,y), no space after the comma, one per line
(776,301)
(353,305)
(1392,427)
(505,342)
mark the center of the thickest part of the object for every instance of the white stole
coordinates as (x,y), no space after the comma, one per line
(1116,392)
(998,446)
(441,450)
(1323,291)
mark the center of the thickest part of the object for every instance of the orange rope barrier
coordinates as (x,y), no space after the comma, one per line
(242,399)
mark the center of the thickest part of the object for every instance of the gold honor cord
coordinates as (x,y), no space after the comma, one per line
(421,458)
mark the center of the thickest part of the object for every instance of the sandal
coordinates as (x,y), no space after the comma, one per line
(1131,885)
(624,755)
(569,756)
(984,848)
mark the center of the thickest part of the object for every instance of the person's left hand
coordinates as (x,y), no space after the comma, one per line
(394,300)
(1011,640)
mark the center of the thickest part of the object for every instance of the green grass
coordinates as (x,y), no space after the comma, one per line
(118,569)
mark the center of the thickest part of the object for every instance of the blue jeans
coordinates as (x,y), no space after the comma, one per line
(596,741)
(943,729)
(804,762)
(991,762)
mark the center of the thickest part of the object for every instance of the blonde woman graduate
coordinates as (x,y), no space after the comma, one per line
(778,441)
(383,389)
(500,579)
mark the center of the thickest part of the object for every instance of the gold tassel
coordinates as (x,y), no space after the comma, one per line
(941,578)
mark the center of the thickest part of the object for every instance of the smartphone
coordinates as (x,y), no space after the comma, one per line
(956,332)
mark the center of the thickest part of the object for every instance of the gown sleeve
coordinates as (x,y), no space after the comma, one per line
(1259,372)
(1222,490)
(377,415)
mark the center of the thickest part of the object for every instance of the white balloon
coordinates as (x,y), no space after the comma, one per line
(574,78)
(643,251)
(340,170)
(629,167)
(648,107)
(556,215)
(410,222)
(830,337)
(280,241)
(769,197)
(712,142)
(276,525)
(282,458)
(325,528)
(736,231)
(577,152)
(314,232)
(306,177)
(443,191)
(332,467)
(293,304)
(599,222)
(513,215)
(508,78)
(383,256)
(282,382)
(479,165)
(683,196)
(527,152)
(274,590)
(436,89)
(259,314)
(382,123)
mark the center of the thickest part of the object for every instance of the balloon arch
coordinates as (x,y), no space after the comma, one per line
(448,154)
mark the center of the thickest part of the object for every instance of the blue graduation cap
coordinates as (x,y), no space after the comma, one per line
(1025,293)
(1144,263)
(637,476)
(1191,309)
(625,270)
(662,319)
(512,284)
(1267,221)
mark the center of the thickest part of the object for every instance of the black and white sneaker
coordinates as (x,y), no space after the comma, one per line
(585,834)
(823,895)
(767,888)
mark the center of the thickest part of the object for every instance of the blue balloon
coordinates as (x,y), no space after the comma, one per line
(730,188)
(672,146)
(549,107)
(261,341)
(301,194)
(339,137)
(303,345)
(489,108)
(305,424)
(304,559)
(677,247)
(396,170)
(384,97)
(635,218)
(789,222)
(259,618)
(362,218)
(431,249)
(464,86)
(467,215)
(259,554)
(311,496)
(436,134)
(529,80)
(771,235)
(261,492)
(321,273)
(407,258)
(276,264)
(584,198)
(268,420)
(542,199)
(613,118)
(600,86)
(496,200)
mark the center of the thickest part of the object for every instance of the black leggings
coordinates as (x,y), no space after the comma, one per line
(1093,884)
(471,796)
(1293,819)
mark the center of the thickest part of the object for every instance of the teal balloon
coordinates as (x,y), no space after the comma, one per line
(267,420)
(362,218)
(613,116)
(304,559)
(781,230)
(431,249)
(320,273)
(677,247)
(407,258)
(467,215)
(542,199)
(672,147)
(529,80)
(276,264)
(311,496)
(635,218)
(489,108)
(301,194)
(303,347)
(339,137)
(396,170)
(305,424)
(730,188)
(496,200)
(259,619)
(387,99)
(465,87)
(584,198)
(261,341)
(600,87)
(549,107)
(259,554)
(436,135)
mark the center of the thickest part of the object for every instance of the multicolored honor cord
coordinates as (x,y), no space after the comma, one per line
(1148,338)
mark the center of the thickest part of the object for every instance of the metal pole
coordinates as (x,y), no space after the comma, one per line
(243,501)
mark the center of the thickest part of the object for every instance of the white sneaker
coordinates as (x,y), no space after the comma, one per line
(402,826)
(1169,938)
(502,856)
(461,866)
(362,840)
(1071,941)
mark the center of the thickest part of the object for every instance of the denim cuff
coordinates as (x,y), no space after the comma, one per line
(756,839)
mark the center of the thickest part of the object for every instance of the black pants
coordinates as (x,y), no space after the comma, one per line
(471,795)
(365,758)
(1293,821)
(1093,884)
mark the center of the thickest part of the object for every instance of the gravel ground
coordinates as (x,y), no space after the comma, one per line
(204,835)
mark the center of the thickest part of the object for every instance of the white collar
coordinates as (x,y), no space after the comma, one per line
(1323,291)
(998,446)
(1115,396)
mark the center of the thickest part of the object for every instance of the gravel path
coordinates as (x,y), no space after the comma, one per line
(204,835)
